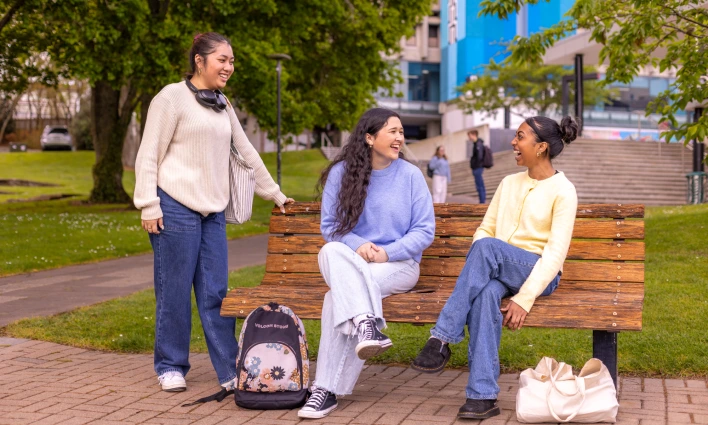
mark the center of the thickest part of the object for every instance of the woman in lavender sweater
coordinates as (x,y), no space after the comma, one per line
(377,218)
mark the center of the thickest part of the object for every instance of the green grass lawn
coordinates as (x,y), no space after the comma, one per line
(46,234)
(673,342)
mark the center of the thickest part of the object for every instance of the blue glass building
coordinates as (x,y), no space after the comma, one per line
(470,41)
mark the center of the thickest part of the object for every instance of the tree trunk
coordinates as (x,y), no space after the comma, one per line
(9,115)
(108,129)
(145,100)
(29,105)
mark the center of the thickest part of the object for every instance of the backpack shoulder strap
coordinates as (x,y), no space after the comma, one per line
(218,397)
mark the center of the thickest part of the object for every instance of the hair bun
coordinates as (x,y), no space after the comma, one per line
(569,129)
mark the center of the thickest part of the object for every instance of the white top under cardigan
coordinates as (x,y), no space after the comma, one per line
(185,151)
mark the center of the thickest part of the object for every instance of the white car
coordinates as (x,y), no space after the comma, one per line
(56,137)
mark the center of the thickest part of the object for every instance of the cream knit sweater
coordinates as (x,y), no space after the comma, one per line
(537,216)
(185,151)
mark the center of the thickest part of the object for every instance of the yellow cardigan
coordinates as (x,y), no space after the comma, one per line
(537,216)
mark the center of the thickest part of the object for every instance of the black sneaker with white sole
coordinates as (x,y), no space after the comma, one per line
(371,341)
(320,404)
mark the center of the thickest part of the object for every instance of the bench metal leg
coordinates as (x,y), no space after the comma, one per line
(604,347)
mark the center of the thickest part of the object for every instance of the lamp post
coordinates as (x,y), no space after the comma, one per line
(278,57)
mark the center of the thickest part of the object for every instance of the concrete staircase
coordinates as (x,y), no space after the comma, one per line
(603,171)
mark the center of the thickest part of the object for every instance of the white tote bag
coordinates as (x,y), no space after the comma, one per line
(551,393)
(242,186)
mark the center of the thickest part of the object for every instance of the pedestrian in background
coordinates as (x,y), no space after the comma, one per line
(477,164)
(441,174)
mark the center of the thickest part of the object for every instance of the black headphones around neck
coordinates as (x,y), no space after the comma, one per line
(213,99)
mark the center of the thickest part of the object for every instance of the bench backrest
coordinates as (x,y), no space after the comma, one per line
(603,277)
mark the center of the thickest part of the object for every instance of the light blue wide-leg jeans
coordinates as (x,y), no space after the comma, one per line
(356,287)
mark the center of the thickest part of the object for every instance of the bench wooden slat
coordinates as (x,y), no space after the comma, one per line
(586,270)
(580,293)
(452,247)
(307,280)
(435,283)
(589,310)
(572,270)
(472,210)
(588,229)
(456,226)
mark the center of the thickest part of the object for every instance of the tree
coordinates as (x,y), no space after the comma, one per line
(21,44)
(128,50)
(524,89)
(336,48)
(123,51)
(669,34)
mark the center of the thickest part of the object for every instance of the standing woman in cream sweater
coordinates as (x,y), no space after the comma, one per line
(518,250)
(182,189)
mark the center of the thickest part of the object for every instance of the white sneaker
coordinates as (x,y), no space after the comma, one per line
(172,381)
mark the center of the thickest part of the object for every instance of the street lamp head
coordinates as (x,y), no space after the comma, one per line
(279,56)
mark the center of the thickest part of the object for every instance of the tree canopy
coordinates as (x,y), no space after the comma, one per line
(667,34)
(524,89)
(128,50)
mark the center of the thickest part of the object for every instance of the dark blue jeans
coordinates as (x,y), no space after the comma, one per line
(493,270)
(479,183)
(191,251)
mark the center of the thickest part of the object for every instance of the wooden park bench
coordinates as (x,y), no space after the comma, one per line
(602,287)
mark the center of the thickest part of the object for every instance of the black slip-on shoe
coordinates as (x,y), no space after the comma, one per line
(433,357)
(478,409)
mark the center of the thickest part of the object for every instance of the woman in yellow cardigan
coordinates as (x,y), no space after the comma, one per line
(518,250)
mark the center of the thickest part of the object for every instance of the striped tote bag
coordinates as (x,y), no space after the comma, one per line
(242,186)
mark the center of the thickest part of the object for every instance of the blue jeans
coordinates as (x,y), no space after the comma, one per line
(493,270)
(479,183)
(191,250)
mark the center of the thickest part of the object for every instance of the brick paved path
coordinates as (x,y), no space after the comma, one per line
(45,383)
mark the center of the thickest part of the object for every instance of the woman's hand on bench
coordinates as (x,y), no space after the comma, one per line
(287,201)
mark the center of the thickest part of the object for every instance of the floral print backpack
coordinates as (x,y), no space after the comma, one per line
(272,366)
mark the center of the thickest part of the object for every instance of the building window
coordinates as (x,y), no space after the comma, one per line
(637,94)
(415,132)
(433,38)
(424,81)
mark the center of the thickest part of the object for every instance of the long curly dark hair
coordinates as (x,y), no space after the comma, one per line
(356,155)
